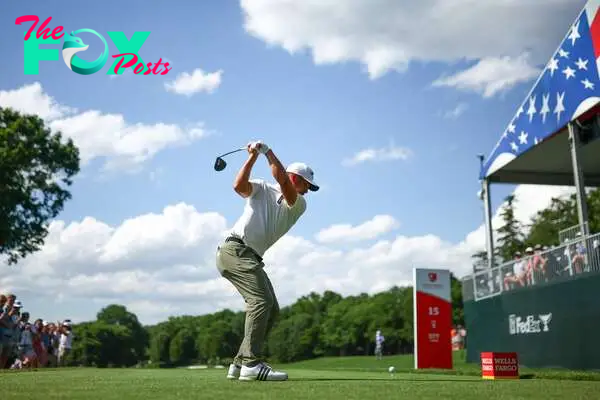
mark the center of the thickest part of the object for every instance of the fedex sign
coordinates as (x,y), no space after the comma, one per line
(128,56)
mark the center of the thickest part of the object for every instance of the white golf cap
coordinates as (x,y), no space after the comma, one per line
(304,171)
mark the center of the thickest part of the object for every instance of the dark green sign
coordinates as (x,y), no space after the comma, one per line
(551,325)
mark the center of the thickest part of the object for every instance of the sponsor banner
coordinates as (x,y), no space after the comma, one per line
(529,324)
(538,323)
(499,365)
(432,309)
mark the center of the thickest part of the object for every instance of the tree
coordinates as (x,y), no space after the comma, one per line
(289,340)
(458,317)
(182,349)
(116,314)
(102,345)
(547,223)
(593,203)
(159,348)
(36,167)
(510,235)
(562,214)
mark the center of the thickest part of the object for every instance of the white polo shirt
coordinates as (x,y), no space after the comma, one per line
(267,216)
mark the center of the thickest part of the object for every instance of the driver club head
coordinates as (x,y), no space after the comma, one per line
(220,164)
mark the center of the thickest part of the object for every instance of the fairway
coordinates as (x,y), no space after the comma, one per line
(182,384)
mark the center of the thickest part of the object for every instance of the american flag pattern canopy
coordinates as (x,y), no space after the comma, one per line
(568,86)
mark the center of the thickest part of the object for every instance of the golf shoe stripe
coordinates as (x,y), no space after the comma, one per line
(263,373)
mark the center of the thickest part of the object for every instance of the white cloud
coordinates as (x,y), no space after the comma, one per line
(389,153)
(377,226)
(198,81)
(109,135)
(99,135)
(32,99)
(163,264)
(386,35)
(492,75)
(456,111)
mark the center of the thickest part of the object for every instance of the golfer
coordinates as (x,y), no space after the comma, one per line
(270,211)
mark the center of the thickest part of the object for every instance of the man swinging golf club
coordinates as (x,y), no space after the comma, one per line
(270,211)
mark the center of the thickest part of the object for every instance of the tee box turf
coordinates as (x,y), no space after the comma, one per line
(499,365)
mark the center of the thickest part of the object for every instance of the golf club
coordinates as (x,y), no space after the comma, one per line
(220,164)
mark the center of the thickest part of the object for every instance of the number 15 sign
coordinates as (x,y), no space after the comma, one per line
(432,313)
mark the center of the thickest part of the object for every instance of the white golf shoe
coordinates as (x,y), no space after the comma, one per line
(234,371)
(261,372)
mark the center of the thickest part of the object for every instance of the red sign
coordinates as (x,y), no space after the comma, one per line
(432,319)
(499,365)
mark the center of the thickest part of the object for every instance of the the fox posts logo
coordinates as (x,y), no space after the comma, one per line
(73,44)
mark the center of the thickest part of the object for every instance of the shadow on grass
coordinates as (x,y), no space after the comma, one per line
(404,379)
(527,376)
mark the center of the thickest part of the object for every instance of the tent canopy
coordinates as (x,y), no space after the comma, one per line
(534,147)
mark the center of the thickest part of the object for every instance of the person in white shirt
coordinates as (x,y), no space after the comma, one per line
(65,343)
(518,274)
(270,211)
(379,339)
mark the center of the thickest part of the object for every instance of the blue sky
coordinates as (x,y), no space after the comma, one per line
(321,114)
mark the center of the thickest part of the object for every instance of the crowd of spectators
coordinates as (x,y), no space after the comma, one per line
(30,345)
(539,264)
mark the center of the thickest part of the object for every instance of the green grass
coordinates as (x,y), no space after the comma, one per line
(326,378)
(405,364)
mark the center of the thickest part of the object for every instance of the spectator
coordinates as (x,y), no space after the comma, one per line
(553,268)
(26,353)
(529,267)
(539,264)
(55,340)
(5,329)
(379,339)
(456,339)
(580,255)
(517,275)
(9,320)
(576,256)
(47,343)
(463,333)
(64,347)
(38,346)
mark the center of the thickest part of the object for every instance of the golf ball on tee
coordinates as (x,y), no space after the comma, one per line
(392,370)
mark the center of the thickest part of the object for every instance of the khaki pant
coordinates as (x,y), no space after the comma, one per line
(244,269)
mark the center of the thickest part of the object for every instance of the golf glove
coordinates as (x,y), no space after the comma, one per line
(261,147)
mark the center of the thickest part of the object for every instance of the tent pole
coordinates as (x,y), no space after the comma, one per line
(489,232)
(582,211)
(484,195)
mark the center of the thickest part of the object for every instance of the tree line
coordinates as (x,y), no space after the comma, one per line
(316,325)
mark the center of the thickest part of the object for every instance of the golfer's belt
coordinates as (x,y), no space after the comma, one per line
(240,241)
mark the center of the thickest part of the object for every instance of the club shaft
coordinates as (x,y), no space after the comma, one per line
(233,151)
